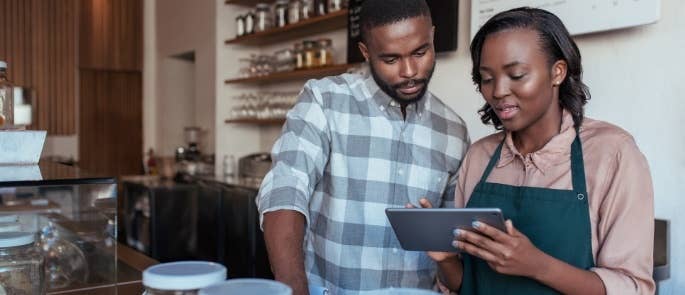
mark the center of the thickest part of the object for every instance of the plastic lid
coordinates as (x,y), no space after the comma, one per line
(3,65)
(16,238)
(248,286)
(8,218)
(10,226)
(183,275)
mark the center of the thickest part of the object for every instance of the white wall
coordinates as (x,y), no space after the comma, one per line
(179,93)
(635,80)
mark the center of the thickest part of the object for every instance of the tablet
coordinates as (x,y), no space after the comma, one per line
(424,229)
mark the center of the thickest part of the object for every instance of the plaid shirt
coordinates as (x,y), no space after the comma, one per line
(345,155)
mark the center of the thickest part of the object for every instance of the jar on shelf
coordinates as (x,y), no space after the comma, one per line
(263,19)
(309,53)
(320,7)
(6,98)
(249,23)
(281,13)
(294,10)
(307,10)
(284,60)
(239,25)
(182,278)
(22,267)
(324,52)
(299,55)
(336,5)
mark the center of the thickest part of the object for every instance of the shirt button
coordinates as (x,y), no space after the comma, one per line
(400,172)
(382,108)
(394,250)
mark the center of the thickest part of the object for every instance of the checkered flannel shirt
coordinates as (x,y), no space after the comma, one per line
(346,154)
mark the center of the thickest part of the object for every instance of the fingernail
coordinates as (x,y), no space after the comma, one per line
(456,232)
(475,224)
(455,244)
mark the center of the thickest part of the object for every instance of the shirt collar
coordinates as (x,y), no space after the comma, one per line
(556,151)
(384,101)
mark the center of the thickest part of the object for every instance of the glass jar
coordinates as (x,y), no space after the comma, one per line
(239,26)
(294,8)
(299,56)
(182,278)
(309,54)
(6,98)
(263,20)
(320,7)
(22,270)
(324,52)
(248,286)
(249,23)
(284,60)
(336,5)
(307,9)
(281,13)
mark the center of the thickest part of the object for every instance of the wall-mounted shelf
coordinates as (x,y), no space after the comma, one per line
(294,75)
(256,121)
(318,24)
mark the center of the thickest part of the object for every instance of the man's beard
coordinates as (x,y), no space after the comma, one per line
(391,90)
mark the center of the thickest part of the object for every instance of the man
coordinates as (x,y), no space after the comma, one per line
(353,146)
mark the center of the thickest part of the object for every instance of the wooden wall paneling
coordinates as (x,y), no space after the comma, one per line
(110,136)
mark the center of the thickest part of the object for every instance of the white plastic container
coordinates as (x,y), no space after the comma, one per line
(248,286)
(182,278)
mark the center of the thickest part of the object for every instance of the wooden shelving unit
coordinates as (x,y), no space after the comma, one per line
(256,121)
(318,24)
(294,75)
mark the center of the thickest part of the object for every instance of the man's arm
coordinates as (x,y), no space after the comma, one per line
(284,234)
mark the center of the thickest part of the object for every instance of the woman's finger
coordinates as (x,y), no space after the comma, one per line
(491,232)
(425,203)
(479,240)
(475,251)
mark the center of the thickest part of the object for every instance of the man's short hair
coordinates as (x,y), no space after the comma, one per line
(376,13)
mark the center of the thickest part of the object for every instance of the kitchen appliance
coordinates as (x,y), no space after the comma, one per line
(192,135)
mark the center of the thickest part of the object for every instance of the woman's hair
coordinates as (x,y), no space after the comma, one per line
(556,42)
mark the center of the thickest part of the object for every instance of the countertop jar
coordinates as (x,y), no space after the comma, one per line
(281,13)
(182,278)
(263,20)
(22,267)
(324,54)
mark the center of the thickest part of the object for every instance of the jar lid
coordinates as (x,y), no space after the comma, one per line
(248,286)
(183,275)
(8,217)
(16,238)
(10,227)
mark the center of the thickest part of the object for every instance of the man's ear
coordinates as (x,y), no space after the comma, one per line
(364,50)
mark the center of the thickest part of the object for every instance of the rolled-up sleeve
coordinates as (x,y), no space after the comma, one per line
(299,157)
(626,225)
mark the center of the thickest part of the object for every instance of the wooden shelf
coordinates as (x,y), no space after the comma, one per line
(257,121)
(294,75)
(318,24)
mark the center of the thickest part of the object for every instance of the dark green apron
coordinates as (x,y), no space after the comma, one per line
(556,222)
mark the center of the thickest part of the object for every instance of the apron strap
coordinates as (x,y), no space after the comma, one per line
(493,161)
(577,166)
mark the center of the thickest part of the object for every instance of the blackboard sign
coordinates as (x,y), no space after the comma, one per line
(445,19)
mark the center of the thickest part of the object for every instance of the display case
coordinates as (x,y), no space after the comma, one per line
(73,217)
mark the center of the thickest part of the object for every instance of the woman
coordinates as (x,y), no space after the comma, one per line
(577,192)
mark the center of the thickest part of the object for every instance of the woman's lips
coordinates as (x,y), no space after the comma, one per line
(506,112)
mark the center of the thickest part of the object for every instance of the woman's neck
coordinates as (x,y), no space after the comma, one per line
(536,136)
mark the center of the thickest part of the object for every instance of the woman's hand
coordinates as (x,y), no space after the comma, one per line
(509,253)
(436,256)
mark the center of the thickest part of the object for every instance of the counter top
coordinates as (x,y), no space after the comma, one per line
(48,173)
(155,181)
